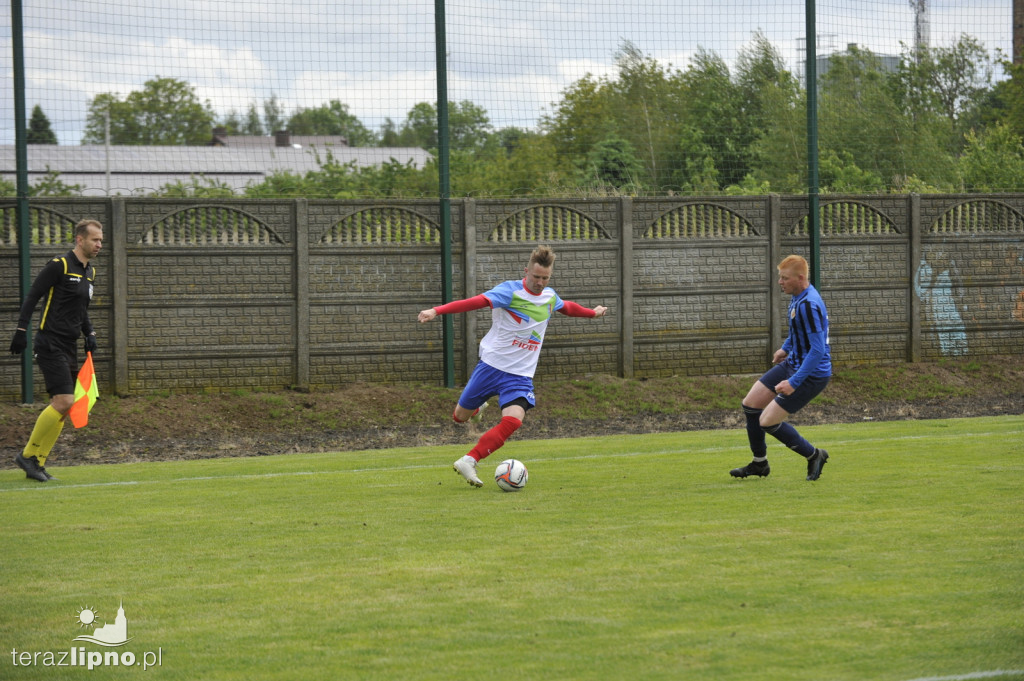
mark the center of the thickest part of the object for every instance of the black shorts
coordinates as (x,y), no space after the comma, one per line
(57,357)
(808,390)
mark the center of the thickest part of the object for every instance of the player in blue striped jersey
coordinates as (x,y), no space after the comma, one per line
(803,367)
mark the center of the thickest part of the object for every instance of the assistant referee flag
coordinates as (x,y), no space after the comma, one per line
(86,393)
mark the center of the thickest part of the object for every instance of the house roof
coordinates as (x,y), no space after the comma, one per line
(139,170)
(281,138)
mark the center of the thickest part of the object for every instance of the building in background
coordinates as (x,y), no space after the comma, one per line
(232,161)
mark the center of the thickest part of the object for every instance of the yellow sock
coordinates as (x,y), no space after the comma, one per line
(44,434)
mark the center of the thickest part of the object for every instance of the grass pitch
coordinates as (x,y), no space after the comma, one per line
(631,557)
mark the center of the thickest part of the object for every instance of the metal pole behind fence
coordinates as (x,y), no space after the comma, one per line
(21,207)
(813,218)
(444,187)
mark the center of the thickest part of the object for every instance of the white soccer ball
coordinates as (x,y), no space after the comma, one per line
(511,475)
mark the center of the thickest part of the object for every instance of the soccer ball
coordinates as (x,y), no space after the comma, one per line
(511,475)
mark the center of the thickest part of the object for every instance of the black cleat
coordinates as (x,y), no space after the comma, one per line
(758,468)
(815,462)
(31,467)
(46,473)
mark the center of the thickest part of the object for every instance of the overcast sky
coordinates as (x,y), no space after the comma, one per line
(512,57)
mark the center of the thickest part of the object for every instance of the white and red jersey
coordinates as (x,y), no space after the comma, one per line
(519,319)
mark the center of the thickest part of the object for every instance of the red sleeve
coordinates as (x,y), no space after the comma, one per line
(465,305)
(571,309)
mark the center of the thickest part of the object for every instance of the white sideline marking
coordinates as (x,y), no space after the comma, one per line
(972,675)
(385,469)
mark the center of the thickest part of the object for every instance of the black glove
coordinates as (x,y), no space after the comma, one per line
(90,343)
(19,343)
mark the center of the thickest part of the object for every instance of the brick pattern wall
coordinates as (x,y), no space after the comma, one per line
(313,294)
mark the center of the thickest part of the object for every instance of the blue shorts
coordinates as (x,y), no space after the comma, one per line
(486,382)
(807,391)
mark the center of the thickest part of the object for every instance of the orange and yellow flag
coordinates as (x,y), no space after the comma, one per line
(86,393)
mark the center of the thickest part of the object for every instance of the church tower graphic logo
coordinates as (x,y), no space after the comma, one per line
(110,635)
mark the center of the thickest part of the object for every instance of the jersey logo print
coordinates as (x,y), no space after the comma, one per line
(524,309)
(532,343)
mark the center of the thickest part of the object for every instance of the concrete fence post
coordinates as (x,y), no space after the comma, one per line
(119,288)
(300,219)
(914,260)
(775,330)
(469,285)
(625,315)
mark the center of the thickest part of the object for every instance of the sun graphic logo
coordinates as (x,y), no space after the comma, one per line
(86,616)
(110,634)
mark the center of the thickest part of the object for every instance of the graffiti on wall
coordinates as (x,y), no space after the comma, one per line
(936,284)
(948,306)
(1018,307)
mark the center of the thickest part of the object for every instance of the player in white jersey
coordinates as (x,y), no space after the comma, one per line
(520,311)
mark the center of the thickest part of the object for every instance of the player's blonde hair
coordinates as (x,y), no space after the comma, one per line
(795,264)
(543,256)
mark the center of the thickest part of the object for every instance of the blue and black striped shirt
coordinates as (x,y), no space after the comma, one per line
(807,347)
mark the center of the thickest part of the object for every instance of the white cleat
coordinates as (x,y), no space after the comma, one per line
(466,467)
(475,418)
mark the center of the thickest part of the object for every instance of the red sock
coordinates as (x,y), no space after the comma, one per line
(493,439)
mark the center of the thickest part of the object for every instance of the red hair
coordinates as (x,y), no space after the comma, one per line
(794,263)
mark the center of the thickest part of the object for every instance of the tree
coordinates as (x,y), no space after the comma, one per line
(39,131)
(581,118)
(839,174)
(50,184)
(779,156)
(195,188)
(331,119)
(273,115)
(165,112)
(764,90)
(534,167)
(252,125)
(232,123)
(640,106)
(613,163)
(388,133)
(420,127)
(712,130)
(948,81)
(1006,103)
(993,160)
(695,171)
(857,117)
(865,126)
(468,126)
(646,114)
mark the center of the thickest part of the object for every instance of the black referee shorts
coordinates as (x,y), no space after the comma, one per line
(57,357)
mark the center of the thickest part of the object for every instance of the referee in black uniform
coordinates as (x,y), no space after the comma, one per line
(65,287)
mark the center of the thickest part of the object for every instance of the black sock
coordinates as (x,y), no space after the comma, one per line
(787,435)
(754,432)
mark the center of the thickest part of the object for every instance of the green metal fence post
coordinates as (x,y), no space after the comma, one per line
(444,187)
(21,206)
(813,217)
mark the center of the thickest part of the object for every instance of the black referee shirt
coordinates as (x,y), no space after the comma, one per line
(65,287)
